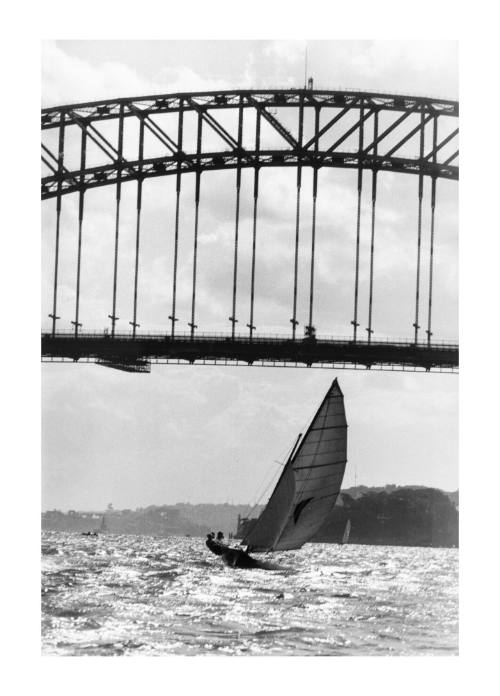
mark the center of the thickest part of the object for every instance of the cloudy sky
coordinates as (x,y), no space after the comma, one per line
(215,434)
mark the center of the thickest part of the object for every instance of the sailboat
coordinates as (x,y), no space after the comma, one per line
(308,486)
(104,526)
(347,531)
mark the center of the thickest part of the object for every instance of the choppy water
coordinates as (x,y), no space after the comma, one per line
(132,595)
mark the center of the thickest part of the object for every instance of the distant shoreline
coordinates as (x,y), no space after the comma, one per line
(390,515)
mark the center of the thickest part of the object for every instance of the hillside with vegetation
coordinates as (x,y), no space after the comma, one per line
(403,517)
(407,516)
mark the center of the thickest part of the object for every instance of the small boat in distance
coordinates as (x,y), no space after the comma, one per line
(347,531)
(308,486)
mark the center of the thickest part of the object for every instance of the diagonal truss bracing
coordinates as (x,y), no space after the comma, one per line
(323,149)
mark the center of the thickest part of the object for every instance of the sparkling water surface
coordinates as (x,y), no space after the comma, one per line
(139,595)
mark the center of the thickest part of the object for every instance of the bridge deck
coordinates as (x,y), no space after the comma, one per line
(125,349)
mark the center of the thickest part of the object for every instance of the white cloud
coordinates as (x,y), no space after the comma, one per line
(289,51)
(68,79)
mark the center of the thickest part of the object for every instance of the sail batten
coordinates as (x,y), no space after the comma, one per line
(309,484)
(320,466)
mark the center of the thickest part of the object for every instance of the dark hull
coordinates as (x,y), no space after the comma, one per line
(237,558)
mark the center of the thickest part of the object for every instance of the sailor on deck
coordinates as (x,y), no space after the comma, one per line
(235,558)
(215,546)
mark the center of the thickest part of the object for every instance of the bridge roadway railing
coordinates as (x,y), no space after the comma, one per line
(319,351)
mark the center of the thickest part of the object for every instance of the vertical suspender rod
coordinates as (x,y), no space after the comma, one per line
(113,316)
(232,318)
(293,320)
(372,242)
(419,227)
(431,256)
(310,328)
(60,162)
(251,326)
(355,322)
(83,152)
(180,122)
(192,324)
(134,323)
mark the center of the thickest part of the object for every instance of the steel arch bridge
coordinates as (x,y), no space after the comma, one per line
(196,133)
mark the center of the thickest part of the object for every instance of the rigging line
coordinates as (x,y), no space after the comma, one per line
(264,489)
(113,316)
(138,225)
(180,123)
(285,459)
(419,229)
(83,151)
(372,241)
(355,322)
(54,316)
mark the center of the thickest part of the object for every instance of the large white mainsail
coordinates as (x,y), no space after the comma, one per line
(310,482)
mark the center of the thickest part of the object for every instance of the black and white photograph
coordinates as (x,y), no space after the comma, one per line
(249,411)
(250,356)
(233,423)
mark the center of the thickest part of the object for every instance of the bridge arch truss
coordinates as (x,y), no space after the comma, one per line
(196,133)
